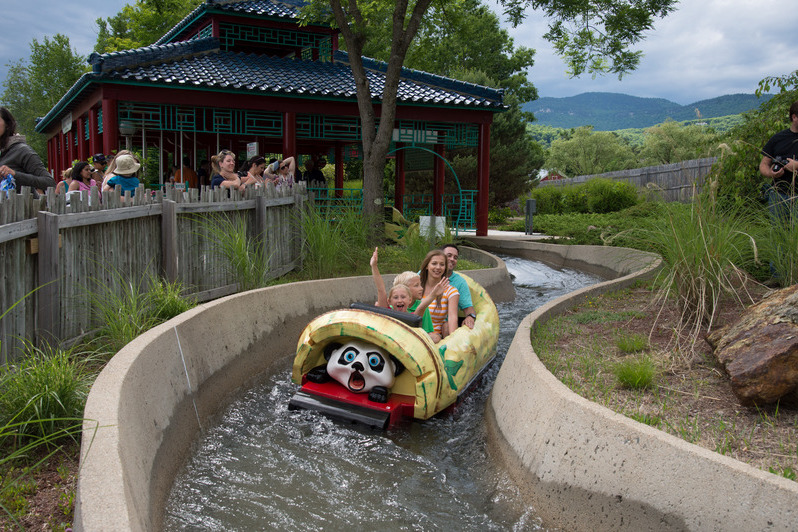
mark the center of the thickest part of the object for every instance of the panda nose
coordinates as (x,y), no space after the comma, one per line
(358,366)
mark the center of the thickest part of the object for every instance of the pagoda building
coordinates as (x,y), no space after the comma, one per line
(234,74)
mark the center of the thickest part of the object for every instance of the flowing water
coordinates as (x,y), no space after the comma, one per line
(262,467)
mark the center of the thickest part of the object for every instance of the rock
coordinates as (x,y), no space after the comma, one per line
(760,351)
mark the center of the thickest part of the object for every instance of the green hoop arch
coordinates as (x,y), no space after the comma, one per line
(456,179)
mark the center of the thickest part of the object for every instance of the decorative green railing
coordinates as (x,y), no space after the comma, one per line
(462,206)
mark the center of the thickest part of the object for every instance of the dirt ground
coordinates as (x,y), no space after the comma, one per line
(694,401)
(45,496)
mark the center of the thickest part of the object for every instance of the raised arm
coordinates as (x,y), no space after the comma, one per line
(438,290)
(382,295)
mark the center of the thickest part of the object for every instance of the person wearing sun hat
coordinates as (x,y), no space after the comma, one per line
(124,175)
(99,162)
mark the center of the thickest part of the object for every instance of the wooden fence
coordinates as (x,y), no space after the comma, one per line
(55,256)
(671,182)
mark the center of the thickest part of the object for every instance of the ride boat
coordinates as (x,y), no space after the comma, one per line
(377,366)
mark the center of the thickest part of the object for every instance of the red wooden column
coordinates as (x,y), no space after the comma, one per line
(399,185)
(70,140)
(110,126)
(439,173)
(94,132)
(483,173)
(83,146)
(339,169)
(289,136)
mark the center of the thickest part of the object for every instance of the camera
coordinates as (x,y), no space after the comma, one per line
(779,162)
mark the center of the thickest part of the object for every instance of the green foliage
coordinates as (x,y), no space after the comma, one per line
(43,394)
(737,170)
(607,195)
(595,36)
(705,250)
(588,153)
(245,257)
(33,86)
(499,215)
(635,374)
(548,200)
(670,142)
(777,240)
(631,343)
(124,309)
(598,195)
(140,24)
(617,229)
(334,242)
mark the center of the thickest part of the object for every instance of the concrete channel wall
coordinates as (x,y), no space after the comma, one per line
(587,468)
(149,403)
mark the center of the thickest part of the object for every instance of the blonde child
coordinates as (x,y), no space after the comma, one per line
(405,295)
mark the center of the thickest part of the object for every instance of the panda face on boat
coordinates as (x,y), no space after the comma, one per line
(360,366)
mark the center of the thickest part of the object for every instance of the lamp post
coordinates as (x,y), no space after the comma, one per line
(127,129)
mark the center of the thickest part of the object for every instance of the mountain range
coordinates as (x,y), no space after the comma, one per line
(609,111)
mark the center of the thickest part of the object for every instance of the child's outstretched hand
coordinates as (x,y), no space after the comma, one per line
(373,261)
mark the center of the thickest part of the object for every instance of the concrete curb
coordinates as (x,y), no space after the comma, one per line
(588,468)
(146,407)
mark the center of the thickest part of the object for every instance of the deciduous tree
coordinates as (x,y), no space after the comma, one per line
(592,35)
(35,85)
(588,152)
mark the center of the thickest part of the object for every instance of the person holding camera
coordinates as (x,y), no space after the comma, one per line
(780,164)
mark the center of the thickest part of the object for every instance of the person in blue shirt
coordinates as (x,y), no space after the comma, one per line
(465,304)
(124,175)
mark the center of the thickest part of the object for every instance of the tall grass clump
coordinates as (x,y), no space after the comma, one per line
(42,395)
(778,241)
(334,241)
(705,252)
(123,309)
(635,374)
(245,257)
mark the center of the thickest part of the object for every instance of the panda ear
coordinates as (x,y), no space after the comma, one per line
(329,348)
(398,365)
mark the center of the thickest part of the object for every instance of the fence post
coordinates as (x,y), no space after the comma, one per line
(47,301)
(261,227)
(169,240)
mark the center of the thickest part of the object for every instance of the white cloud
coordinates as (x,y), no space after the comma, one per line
(702,50)
(39,18)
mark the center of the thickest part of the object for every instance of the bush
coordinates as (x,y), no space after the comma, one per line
(606,195)
(599,195)
(575,199)
(499,215)
(549,200)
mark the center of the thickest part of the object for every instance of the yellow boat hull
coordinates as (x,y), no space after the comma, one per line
(435,374)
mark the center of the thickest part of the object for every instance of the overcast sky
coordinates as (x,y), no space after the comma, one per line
(705,49)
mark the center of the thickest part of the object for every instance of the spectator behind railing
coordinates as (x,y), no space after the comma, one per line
(252,172)
(111,171)
(66,180)
(82,177)
(19,160)
(282,172)
(126,168)
(224,170)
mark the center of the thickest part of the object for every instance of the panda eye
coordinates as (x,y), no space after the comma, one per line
(376,361)
(349,355)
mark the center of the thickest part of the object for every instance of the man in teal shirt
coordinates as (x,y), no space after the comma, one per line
(452,253)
